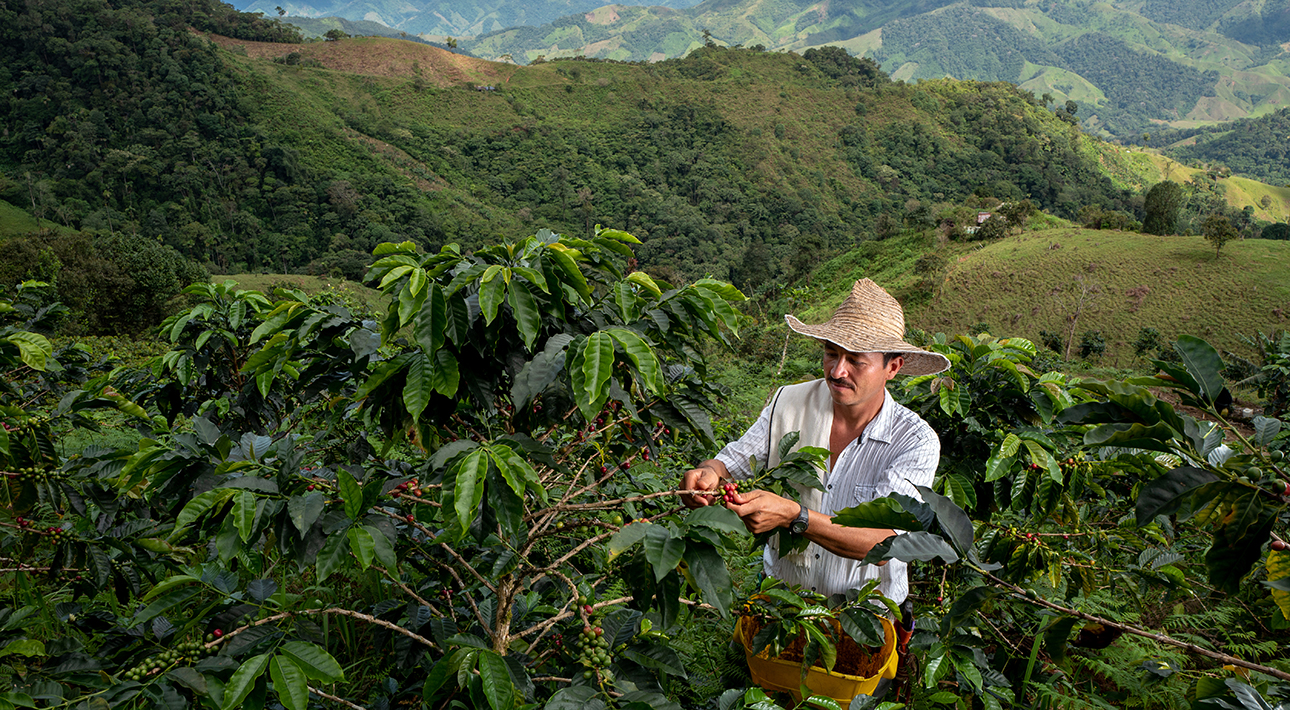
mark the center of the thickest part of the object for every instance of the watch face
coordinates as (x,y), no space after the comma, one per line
(798,527)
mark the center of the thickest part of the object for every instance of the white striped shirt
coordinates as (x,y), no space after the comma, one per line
(895,452)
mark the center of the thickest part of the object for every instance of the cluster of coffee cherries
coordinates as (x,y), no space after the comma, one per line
(69,577)
(583,528)
(29,423)
(593,651)
(622,466)
(31,474)
(57,535)
(183,653)
(409,487)
(1074,464)
(730,488)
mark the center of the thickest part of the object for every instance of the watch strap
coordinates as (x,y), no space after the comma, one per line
(802,522)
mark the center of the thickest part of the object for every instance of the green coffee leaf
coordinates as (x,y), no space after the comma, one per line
(289,682)
(432,321)
(642,356)
(881,513)
(597,366)
(314,661)
(492,291)
(361,544)
(199,506)
(33,349)
(445,376)
(528,319)
(331,556)
(305,509)
(626,537)
(243,514)
(717,517)
(710,574)
(1164,495)
(419,386)
(1203,363)
(243,681)
(469,490)
(498,687)
(662,550)
(350,493)
(384,551)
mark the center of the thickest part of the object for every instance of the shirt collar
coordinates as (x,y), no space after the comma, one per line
(880,428)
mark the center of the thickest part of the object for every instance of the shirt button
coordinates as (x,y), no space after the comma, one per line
(817,556)
(812,589)
(830,486)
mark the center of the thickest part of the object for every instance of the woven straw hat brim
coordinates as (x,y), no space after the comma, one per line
(917,361)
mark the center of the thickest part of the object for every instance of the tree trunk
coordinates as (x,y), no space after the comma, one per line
(502,626)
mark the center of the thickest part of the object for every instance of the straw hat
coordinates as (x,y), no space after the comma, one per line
(871,321)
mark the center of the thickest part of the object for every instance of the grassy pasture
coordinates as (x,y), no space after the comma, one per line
(1127,281)
(350,292)
(1243,191)
(15,221)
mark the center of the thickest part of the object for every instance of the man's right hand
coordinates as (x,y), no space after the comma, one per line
(704,478)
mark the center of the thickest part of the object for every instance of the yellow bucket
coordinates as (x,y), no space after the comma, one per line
(778,675)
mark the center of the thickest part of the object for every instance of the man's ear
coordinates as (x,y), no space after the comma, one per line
(893,367)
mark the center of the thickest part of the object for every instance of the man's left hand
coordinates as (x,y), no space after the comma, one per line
(762,510)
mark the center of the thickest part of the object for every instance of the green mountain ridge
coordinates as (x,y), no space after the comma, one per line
(1204,62)
(316,27)
(738,163)
(439,19)
(243,163)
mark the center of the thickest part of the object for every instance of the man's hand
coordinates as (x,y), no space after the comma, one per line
(762,510)
(704,478)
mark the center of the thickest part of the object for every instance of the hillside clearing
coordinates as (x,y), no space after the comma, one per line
(379,56)
(1126,281)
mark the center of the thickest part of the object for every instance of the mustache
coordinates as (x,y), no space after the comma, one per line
(839,382)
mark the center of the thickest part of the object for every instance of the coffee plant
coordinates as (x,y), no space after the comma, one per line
(469,501)
(429,498)
(1094,504)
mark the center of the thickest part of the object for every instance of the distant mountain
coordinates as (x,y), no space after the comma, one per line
(1129,67)
(251,155)
(437,18)
(314,27)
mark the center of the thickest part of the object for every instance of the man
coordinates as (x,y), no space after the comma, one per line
(876,446)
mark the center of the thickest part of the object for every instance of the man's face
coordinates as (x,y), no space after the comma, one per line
(856,378)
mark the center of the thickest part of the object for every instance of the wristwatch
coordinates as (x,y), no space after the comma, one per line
(798,526)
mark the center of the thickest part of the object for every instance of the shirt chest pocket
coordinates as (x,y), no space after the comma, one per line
(863,493)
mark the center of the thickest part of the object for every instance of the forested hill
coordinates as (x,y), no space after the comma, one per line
(1128,65)
(1255,147)
(738,163)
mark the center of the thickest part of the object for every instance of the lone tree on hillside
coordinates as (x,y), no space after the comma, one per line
(1161,208)
(1219,230)
(1067,112)
(335,34)
(1017,212)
